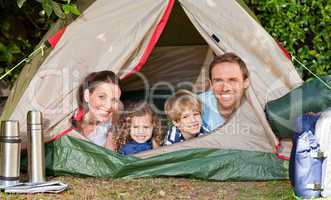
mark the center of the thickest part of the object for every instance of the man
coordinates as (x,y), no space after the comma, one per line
(228,78)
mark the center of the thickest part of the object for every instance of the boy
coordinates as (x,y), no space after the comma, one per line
(184,111)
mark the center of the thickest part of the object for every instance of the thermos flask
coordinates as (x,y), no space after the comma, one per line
(36,153)
(10,152)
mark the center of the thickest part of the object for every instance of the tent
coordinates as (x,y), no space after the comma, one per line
(170,43)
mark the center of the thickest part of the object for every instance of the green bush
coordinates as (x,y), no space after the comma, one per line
(303,27)
(21,29)
(22,25)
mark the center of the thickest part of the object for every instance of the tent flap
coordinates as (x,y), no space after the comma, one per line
(72,156)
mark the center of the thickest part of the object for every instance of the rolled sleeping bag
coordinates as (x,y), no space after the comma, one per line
(312,96)
(304,123)
(323,135)
(305,168)
(308,167)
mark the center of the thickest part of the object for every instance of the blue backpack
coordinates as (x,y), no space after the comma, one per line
(306,159)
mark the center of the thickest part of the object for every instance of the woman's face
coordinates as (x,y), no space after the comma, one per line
(103,101)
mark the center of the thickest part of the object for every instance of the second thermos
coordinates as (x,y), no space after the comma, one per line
(36,152)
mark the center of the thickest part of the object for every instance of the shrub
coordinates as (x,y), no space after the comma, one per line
(303,27)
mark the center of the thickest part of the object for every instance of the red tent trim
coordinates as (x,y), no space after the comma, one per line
(54,39)
(284,50)
(155,37)
(78,116)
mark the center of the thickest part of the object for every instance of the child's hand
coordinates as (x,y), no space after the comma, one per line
(110,143)
(155,144)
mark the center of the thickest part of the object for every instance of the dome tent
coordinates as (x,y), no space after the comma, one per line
(170,41)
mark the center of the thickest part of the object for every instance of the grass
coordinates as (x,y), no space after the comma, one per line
(161,188)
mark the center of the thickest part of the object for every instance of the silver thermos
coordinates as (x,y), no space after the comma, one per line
(10,152)
(36,152)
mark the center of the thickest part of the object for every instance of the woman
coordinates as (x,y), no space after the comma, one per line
(99,102)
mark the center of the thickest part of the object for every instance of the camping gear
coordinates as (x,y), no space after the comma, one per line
(306,158)
(323,135)
(36,152)
(312,96)
(159,45)
(308,166)
(10,151)
(32,188)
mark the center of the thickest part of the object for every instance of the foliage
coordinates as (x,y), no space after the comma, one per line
(303,27)
(23,24)
(60,7)
(20,31)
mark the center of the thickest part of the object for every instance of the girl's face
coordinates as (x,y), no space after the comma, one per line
(103,101)
(141,128)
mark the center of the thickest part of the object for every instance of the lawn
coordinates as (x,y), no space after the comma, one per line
(162,188)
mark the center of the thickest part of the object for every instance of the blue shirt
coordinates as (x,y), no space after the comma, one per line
(211,117)
(174,135)
(133,147)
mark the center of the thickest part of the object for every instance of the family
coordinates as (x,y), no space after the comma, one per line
(102,119)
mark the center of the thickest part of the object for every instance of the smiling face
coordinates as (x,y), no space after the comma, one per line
(228,85)
(103,101)
(141,128)
(189,123)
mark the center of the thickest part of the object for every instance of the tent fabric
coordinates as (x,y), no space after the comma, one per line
(269,77)
(71,156)
(237,133)
(27,73)
(54,39)
(30,69)
(164,61)
(92,42)
(115,35)
(282,113)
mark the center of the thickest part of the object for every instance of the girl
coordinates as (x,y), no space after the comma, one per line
(99,101)
(139,129)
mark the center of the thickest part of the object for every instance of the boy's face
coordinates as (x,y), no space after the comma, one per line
(189,123)
(141,128)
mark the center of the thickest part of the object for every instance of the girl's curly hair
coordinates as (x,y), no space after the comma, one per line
(137,109)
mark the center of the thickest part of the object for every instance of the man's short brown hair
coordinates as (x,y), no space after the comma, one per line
(230,58)
(183,99)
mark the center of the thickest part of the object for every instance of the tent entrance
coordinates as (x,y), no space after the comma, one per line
(176,62)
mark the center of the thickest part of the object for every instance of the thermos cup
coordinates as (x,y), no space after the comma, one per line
(10,152)
(36,153)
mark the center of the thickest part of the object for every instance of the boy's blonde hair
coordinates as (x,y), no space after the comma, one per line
(182,100)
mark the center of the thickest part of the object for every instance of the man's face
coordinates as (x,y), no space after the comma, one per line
(228,85)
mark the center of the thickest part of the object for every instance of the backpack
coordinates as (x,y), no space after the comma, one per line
(323,135)
(305,169)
